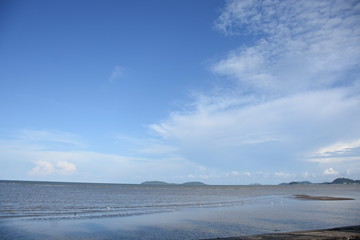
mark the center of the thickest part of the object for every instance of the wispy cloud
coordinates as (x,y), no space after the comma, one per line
(293,102)
(24,160)
(339,148)
(341,154)
(295,88)
(152,146)
(48,137)
(300,45)
(334,160)
(116,74)
(277,130)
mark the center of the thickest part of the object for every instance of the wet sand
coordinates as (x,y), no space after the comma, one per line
(348,233)
(323,198)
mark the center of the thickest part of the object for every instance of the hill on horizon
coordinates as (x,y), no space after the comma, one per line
(336,181)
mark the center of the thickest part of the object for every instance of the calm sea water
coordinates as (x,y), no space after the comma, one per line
(35,210)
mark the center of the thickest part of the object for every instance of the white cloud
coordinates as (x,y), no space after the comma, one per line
(339,152)
(214,131)
(43,167)
(300,45)
(295,88)
(330,171)
(65,167)
(249,68)
(337,148)
(339,160)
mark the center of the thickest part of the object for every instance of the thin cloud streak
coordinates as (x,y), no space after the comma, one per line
(49,136)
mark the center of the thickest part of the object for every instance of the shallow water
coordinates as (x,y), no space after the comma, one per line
(108,211)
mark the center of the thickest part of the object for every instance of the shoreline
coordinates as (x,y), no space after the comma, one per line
(348,233)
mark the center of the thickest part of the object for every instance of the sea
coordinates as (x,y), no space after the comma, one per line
(53,210)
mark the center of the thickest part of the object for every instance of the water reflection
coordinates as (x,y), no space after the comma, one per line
(285,214)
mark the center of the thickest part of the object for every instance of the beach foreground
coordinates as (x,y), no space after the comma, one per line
(347,233)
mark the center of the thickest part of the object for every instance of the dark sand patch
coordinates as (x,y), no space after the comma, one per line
(348,233)
(323,198)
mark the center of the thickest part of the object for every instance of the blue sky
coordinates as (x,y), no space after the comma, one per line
(224,92)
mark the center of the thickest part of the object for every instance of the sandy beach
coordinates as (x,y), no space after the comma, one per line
(348,233)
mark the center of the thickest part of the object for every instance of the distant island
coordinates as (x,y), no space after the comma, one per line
(297,183)
(345,181)
(336,181)
(160,183)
